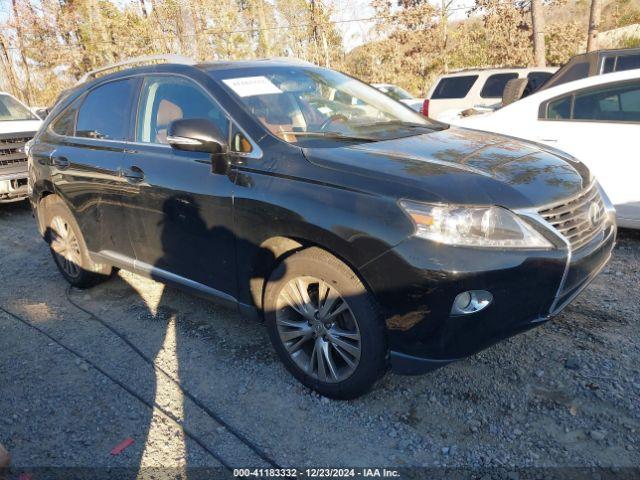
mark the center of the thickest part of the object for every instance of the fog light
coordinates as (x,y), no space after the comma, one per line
(471,301)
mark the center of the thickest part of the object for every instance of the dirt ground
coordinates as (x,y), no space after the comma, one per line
(194,384)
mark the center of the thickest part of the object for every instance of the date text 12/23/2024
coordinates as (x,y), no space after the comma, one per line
(315,473)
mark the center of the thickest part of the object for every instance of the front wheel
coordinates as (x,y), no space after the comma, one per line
(325,325)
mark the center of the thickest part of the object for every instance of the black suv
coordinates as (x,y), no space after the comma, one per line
(363,234)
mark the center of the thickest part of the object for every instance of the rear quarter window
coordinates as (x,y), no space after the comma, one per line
(65,123)
(559,109)
(494,86)
(454,87)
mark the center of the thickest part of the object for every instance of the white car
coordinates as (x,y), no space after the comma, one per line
(400,95)
(596,120)
(477,88)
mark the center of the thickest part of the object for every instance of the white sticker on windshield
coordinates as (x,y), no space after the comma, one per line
(248,86)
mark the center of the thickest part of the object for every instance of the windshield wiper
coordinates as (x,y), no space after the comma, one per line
(331,135)
(401,123)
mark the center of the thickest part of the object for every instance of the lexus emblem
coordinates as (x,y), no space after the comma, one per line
(594,213)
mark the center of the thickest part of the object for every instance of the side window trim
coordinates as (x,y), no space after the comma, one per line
(256,151)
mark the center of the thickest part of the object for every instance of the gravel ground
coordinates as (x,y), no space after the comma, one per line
(564,394)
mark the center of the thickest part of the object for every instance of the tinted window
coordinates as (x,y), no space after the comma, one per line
(165,99)
(105,111)
(609,64)
(620,103)
(396,93)
(573,72)
(454,87)
(66,122)
(11,109)
(536,80)
(627,62)
(559,109)
(494,86)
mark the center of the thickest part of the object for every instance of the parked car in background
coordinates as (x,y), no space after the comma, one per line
(595,63)
(400,95)
(18,124)
(596,120)
(478,87)
(364,237)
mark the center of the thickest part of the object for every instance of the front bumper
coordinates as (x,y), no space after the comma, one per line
(417,281)
(13,184)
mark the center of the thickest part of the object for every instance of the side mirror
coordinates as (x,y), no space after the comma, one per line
(196,135)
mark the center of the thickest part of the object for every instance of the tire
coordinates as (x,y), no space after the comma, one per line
(513,90)
(67,245)
(345,327)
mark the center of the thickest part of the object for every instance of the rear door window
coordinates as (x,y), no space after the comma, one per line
(620,103)
(494,86)
(105,112)
(454,87)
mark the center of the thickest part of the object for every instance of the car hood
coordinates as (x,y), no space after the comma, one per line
(19,126)
(457,165)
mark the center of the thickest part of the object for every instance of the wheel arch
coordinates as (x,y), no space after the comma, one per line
(276,249)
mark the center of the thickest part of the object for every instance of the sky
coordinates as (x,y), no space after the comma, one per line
(356,33)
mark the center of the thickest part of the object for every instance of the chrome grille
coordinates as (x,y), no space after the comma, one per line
(579,218)
(12,150)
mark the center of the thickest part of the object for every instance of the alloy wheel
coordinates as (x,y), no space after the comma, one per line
(318,329)
(65,246)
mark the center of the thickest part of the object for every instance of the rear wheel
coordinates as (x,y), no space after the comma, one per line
(67,245)
(325,325)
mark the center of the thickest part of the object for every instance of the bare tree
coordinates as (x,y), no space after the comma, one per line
(23,54)
(594,25)
(444,21)
(537,24)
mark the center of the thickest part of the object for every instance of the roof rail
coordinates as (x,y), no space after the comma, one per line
(169,58)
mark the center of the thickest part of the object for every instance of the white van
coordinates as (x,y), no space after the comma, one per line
(481,87)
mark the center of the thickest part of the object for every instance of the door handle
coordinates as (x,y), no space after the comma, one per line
(131,175)
(60,162)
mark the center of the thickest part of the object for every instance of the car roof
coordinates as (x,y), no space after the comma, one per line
(594,81)
(493,70)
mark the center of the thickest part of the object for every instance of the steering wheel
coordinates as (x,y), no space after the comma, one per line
(333,118)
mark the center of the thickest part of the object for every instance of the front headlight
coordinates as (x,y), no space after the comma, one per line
(488,227)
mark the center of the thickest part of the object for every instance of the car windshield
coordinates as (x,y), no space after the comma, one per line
(317,105)
(395,92)
(11,109)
